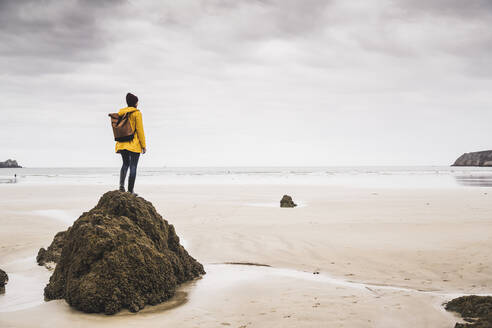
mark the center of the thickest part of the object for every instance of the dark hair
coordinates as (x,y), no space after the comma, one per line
(131,100)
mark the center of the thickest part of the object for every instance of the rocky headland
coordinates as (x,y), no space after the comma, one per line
(10,163)
(479,158)
(120,255)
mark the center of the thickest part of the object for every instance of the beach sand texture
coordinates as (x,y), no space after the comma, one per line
(385,257)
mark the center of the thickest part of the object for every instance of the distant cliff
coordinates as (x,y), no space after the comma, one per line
(10,163)
(479,158)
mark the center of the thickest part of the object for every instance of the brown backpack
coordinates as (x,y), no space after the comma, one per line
(122,128)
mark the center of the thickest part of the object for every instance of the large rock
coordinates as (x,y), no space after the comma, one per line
(479,158)
(53,253)
(287,201)
(476,310)
(4,278)
(10,163)
(120,254)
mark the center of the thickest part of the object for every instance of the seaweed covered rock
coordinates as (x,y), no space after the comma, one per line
(476,310)
(4,278)
(287,201)
(121,254)
(53,253)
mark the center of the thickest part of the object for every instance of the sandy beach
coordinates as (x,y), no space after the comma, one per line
(385,257)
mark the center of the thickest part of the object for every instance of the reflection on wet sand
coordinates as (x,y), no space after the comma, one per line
(474,180)
(180,298)
(8,180)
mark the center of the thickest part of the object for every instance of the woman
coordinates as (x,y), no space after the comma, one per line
(130,150)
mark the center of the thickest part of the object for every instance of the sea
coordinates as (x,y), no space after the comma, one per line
(346,176)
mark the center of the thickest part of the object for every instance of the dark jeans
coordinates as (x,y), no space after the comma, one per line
(130,159)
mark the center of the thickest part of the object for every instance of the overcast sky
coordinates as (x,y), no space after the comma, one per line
(247,82)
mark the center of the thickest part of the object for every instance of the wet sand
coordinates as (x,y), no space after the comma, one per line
(386,257)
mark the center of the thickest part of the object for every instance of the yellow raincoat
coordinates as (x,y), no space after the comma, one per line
(138,141)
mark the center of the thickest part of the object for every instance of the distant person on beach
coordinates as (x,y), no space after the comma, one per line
(130,150)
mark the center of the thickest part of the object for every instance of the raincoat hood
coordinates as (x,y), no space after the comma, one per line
(125,110)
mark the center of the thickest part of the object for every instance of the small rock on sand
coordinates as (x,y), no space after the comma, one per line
(287,201)
(4,278)
(476,310)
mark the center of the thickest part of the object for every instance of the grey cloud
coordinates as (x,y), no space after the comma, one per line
(219,25)
(55,36)
(470,9)
(51,36)
(254,19)
(403,29)
(61,36)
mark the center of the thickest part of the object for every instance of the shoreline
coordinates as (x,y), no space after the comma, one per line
(389,177)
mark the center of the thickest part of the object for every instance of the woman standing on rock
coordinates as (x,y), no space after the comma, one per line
(130,150)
